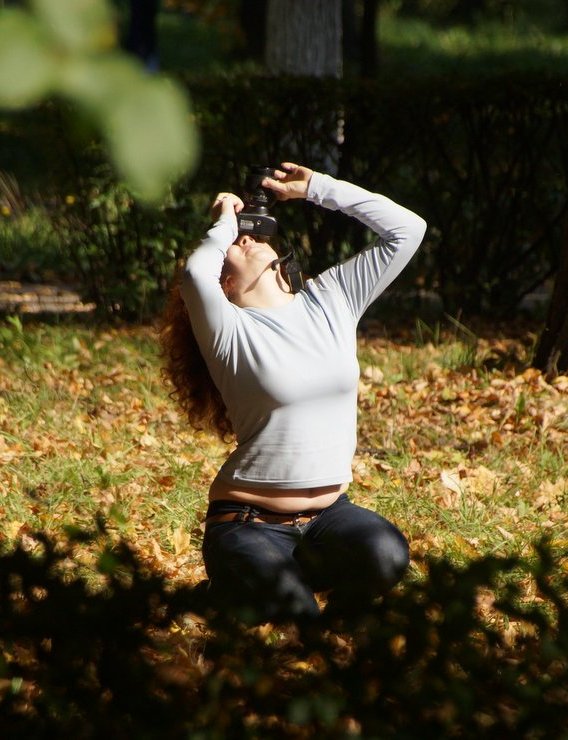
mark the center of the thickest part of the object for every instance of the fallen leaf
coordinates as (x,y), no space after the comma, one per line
(374,374)
(507,535)
(148,440)
(181,540)
(451,479)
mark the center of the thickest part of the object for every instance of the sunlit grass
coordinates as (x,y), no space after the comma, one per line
(416,48)
(467,460)
(465,457)
(86,426)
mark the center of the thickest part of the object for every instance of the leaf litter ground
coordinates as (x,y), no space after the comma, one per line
(461,444)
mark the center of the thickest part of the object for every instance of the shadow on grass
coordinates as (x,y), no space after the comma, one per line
(460,652)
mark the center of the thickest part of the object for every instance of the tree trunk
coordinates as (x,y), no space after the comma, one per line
(551,354)
(369,45)
(350,34)
(360,36)
(304,38)
(252,18)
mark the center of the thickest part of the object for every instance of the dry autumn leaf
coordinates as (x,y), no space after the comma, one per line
(148,440)
(451,480)
(182,541)
(374,374)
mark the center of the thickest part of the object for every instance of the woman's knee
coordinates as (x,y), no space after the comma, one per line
(280,594)
(249,568)
(392,557)
(383,557)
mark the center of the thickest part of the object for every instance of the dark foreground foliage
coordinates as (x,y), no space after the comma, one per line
(438,658)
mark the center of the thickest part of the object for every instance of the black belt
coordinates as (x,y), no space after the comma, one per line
(255,516)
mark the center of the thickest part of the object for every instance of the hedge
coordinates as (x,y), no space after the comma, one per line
(485,162)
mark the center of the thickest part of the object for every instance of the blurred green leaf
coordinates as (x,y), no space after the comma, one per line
(99,82)
(66,48)
(79,25)
(27,65)
(152,136)
(147,120)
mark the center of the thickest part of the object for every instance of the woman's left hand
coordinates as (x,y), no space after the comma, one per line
(226,203)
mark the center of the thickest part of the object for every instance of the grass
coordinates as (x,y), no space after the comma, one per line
(467,461)
(189,45)
(462,455)
(87,427)
(417,48)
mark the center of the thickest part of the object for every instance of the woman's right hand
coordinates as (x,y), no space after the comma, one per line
(290,182)
(226,203)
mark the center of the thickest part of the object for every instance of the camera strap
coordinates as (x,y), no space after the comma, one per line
(292,269)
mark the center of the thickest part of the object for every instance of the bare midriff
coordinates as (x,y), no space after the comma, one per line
(289,500)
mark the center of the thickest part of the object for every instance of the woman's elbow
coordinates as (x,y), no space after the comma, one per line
(193,268)
(190,278)
(420,228)
(187,276)
(415,232)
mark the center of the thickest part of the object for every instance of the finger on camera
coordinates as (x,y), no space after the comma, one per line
(270,182)
(280,174)
(290,167)
(220,197)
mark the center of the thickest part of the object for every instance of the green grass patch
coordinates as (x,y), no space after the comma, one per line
(466,460)
(417,48)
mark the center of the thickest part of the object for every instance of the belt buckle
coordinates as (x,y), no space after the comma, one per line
(297,517)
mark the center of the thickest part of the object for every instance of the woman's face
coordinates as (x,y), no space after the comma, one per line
(246,260)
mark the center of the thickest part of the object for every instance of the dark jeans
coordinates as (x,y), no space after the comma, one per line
(274,569)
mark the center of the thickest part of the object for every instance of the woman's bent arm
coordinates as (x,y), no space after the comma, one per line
(400,231)
(212,315)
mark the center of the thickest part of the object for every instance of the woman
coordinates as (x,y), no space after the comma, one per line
(280,525)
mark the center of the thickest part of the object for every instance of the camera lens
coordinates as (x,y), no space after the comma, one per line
(255,218)
(255,194)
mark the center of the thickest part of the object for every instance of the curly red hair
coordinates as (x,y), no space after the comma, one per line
(185,368)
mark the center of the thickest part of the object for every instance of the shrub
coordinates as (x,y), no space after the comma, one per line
(434,659)
(124,252)
(485,162)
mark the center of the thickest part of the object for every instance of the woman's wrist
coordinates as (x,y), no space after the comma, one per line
(319,183)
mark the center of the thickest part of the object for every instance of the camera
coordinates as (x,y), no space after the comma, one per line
(255,219)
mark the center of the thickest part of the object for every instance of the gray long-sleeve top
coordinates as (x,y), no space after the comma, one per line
(289,375)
